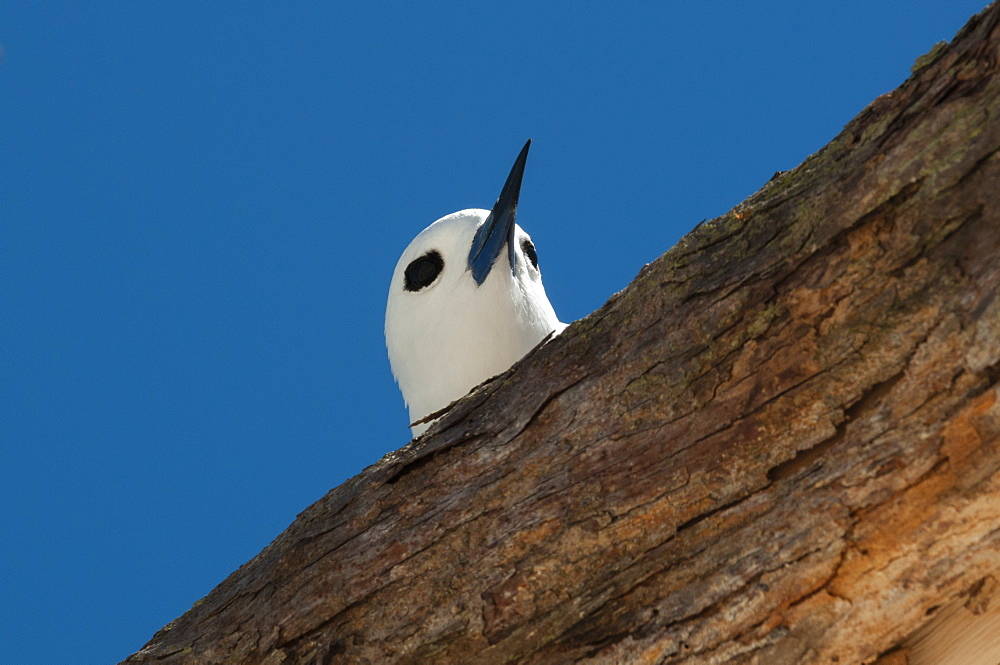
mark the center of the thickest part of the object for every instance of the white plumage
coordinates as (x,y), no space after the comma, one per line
(458,311)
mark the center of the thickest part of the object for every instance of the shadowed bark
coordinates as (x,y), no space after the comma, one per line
(780,444)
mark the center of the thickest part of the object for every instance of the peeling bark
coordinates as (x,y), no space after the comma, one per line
(780,444)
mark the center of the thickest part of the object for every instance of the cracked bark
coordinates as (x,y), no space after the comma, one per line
(778,445)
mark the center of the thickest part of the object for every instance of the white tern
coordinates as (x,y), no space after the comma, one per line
(461,309)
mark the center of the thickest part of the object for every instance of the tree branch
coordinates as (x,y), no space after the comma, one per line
(779,444)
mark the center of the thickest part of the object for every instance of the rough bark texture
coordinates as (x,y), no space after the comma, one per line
(780,444)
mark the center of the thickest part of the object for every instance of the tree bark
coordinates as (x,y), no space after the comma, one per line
(780,444)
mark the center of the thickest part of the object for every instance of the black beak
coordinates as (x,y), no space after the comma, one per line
(498,229)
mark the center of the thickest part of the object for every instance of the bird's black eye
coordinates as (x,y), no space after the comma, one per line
(529,251)
(421,272)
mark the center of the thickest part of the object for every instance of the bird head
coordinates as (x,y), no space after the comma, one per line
(466,301)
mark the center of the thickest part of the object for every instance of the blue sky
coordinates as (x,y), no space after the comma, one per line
(201,206)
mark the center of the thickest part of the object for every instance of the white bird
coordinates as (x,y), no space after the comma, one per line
(461,309)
